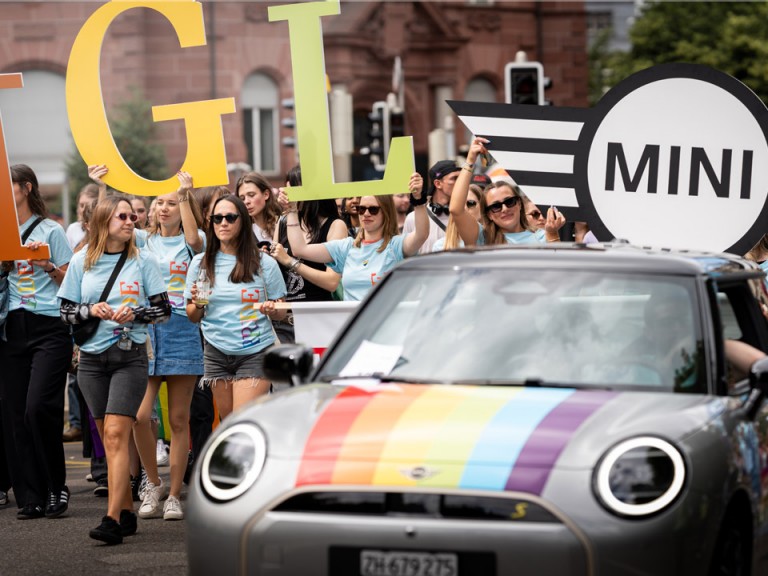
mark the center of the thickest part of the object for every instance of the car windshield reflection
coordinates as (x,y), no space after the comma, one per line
(531,327)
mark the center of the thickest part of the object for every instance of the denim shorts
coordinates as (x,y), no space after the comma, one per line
(114,381)
(177,347)
(226,367)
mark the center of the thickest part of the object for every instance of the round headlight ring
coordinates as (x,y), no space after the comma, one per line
(602,479)
(245,432)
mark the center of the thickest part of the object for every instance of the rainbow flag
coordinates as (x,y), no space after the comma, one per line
(471,437)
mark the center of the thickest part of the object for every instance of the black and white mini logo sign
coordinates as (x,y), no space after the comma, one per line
(675,156)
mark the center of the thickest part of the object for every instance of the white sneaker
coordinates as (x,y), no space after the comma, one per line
(150,507)
(162,453)
(172,509)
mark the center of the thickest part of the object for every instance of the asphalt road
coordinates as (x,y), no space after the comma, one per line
(62,547)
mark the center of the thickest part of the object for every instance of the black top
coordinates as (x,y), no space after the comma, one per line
(298,288)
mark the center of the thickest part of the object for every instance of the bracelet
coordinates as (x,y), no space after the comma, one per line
(418,201)
(52,270)
(468,169)
(294,264)
(297,224)
(469,165)
(183,198)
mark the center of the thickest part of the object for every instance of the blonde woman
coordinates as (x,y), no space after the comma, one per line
(174,239)
(109,283)
(476,207)
(506,222)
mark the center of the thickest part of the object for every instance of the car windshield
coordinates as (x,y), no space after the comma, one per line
(533,327)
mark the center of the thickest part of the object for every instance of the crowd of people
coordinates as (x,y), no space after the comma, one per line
(192,290)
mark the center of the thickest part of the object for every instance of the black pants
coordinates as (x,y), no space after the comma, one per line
(5,477)
(33,378)
(200,418)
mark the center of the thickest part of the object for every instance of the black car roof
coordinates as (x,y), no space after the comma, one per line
(620,256)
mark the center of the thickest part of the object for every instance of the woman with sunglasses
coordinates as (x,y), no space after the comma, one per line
(364,260)
(476,207)
(506,221)
(113,362)
(174,239)
(263,209)
(35,348)
(236,334)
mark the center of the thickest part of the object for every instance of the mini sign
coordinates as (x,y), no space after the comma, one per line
(675,156)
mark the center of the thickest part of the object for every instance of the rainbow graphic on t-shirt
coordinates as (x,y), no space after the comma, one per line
(482,438)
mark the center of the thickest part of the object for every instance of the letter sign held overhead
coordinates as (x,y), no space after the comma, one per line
(10,240)
(206,156)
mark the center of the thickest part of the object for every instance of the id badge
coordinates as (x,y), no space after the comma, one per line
(124,343)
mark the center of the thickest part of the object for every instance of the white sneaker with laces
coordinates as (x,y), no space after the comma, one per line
(150,507)
(172,509)
(162,453)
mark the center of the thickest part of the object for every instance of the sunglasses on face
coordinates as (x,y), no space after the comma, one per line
(372,209)
(509,202)
(127,215)
(471,203)
(219,218)
(535,214)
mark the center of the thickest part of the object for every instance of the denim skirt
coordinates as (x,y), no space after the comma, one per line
(177,346)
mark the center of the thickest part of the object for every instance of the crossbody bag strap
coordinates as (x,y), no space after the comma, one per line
(115,272)
(29,230)
(435,219)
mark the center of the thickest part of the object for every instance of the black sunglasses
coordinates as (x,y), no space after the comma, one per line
(509,202)
(372,209)
(471,203)
(219,218)
(125,216)
(535,214)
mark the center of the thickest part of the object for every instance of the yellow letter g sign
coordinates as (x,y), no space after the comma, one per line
(206,157)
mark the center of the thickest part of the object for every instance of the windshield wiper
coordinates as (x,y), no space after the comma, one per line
(528,383)
(384,378)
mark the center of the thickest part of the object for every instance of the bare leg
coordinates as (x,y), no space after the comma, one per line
(116,434)
(222,394)
(142,432)
(180,390)
(247,389)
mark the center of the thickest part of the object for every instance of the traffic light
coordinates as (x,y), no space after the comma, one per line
(396,122)
(288,122)
(524,83)
(378,135)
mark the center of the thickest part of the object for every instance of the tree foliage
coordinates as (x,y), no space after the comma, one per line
(135,135)
(729,36)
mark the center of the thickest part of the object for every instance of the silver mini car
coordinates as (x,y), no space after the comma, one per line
(508,411)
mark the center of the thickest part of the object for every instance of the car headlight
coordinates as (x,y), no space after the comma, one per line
(640,476)
(233,462)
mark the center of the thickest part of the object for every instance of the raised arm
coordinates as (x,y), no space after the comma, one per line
(299,246)
(96,173)
(414,240)
(188,221)
(465,223)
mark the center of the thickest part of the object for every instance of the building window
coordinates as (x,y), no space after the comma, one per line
(36,125)
(259,103)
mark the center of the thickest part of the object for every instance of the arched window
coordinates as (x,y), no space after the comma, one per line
(36,126)
(259,103)
(478,90)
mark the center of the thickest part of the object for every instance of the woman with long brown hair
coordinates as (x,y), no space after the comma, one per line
(263,209)
(35,353)
(364,260)
(107,288)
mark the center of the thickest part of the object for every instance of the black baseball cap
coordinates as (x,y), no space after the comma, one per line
(439,170)
(481,180)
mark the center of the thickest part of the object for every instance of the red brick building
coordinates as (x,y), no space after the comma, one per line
(448,49)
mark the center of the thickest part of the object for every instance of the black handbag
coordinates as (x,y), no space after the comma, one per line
(84,331)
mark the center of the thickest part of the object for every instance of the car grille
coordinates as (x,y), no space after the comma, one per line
(420,505)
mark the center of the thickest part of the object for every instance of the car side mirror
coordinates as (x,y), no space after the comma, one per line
(289,363)
(758,375)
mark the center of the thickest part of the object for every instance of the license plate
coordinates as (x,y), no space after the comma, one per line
(401,563)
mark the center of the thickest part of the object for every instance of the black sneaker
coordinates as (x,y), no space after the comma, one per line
(108,531)
(128,524)
(3,498)
(58,502)
(30,511)
(102,488)
(135,480)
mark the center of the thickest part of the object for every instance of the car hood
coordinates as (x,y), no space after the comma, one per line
(474,437)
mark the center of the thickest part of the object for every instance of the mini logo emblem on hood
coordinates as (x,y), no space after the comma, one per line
(418,472)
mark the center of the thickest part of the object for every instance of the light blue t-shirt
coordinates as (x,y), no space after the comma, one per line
(524,237)
(231,324)
(173,254)
(30,287)
(140,237)
(139,279)
(439,246)
(361,268)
